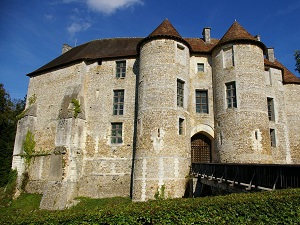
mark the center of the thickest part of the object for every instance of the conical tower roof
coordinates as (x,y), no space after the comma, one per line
(164,30)
(236,33)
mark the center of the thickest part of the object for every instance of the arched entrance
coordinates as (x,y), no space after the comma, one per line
(201,148)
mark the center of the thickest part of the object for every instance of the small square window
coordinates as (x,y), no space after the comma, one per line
(116,133)
(120,69)
(200,67)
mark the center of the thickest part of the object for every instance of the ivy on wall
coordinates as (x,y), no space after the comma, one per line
(76,105)
(28,146)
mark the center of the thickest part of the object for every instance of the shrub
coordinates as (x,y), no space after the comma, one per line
(7,192)
(276,207)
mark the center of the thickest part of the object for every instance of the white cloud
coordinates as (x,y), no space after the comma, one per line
(50,17)
(110,6)
(77,27)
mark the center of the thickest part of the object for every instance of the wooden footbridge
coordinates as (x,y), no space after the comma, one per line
(246,177)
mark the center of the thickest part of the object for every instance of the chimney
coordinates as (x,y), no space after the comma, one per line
(206,34)
(257,37)
(65,48)
(270,54)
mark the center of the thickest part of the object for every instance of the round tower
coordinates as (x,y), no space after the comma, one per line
(162,152)
(240,101)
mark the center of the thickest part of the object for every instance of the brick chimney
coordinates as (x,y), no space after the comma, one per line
(66,48)
(206,34)
(270,54)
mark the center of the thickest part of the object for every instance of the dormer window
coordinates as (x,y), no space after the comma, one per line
(228,57)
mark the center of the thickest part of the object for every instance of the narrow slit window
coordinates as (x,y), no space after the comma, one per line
(271,113)
(181,126)
(180,93)
(273,137)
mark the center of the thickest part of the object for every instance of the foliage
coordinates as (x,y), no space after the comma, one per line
(28,146)
(32,99)
(276,207)
(7,192)
(22,114)
(160,193)
(9,109)
(297,58)
(76,105)
(25,179)
(20,208)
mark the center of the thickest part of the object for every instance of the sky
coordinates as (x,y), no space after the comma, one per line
(32,32)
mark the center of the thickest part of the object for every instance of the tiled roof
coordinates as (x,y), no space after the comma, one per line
(165,29)
(97,49)
(287,76)
(128,47)
(198,45)
(237,33)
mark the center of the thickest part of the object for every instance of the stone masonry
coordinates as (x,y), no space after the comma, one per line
(128,116)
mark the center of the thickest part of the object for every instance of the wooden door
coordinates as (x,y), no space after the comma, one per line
(201,149)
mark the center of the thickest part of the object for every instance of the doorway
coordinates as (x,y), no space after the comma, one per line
(201,149)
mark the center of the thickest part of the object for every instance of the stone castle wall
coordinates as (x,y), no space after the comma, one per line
(162,154)
(292,99)
(106,167)
(242,132)
(75,156)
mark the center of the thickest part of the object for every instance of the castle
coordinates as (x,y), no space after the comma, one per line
(128,116)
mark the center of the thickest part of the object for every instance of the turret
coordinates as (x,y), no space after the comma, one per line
(240,101)
(162,155)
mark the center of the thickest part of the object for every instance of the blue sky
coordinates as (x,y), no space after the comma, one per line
(33,31)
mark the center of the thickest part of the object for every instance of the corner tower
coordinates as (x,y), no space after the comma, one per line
(162,154)
(241,115)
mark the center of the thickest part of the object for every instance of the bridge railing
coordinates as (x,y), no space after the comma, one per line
(260,176)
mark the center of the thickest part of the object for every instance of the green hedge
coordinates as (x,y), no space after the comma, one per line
(277,207)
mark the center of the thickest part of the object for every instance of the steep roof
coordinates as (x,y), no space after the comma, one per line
(236,33)
(287,76)
(128,47)
(165,29)
(97,49)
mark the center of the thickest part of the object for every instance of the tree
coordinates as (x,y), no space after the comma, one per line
(9,109)
(297,58)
